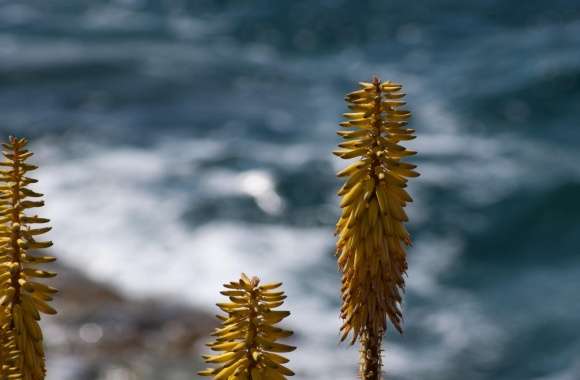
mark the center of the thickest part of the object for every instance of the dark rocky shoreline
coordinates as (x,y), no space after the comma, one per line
(99,334)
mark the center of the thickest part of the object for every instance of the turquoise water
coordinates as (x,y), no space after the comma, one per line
(195,136)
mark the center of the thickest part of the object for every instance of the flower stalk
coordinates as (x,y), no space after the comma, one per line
(248,337)
(22,298)
(371,233)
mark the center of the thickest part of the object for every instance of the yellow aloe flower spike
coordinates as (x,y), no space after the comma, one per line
(371,234)
(247,337)
(21,297)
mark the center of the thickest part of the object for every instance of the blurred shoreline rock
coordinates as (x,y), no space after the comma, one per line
(99,334)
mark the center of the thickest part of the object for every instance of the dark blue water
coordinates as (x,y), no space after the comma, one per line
(207,126)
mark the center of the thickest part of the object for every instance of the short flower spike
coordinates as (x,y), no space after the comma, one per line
(21,297)
(247,338)
(371,231)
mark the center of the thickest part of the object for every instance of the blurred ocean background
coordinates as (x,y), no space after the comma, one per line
(183,142)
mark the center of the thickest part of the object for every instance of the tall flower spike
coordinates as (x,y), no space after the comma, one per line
(21,297)
(370,231)
(247,338)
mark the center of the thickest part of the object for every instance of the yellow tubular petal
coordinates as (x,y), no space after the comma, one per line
(229,369)
(270,286)
(273,317)
(352,194)
(276,358)
(40,259)
(272,305)
(228,346)
(277,367)
(358,94)
(32,328)
(30,193)
(33,220)
(31,204)
(352,168)
(238,293)
(206,372)
(366,85)
(272,374)
(270,294)
(393,95)
(273,298)
(373,212)
(43,307)
(364,123)
(274,335)
(352,134)
(38,273)
(353,115)
(40,245)
(350,153)
(257,374)
(223,357)
(269,345)
(356,143)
